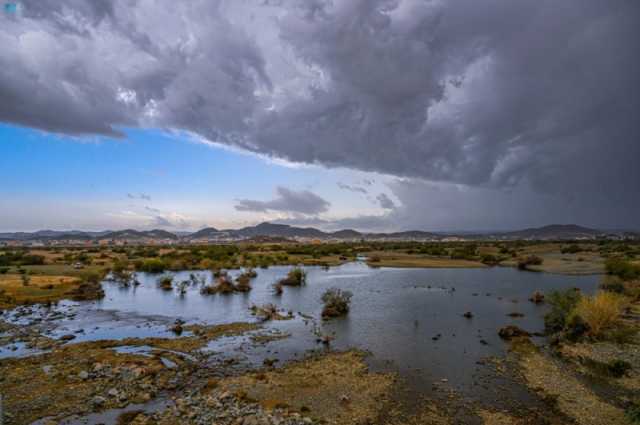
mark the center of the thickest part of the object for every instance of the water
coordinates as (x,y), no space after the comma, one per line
(395,314)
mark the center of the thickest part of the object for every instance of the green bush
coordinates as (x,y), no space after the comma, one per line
(336,302)
(571,249)
(295,277)
(622,268)
(153,265)
(562,304)
(532,260)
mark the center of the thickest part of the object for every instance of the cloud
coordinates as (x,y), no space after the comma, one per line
(385,202)
(289,201)
(139,196)
(351,188)
(489,95)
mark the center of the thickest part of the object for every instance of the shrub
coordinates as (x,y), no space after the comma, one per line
(571,249)
(243,283)
(295,277)
(166,283)
(153,265)
(4,270)
(618,368)
(633,413)
(612,285)
(336,302)
(490,260)
(601,311)
(562,304)
(223,286)
(622,268)
(532,260)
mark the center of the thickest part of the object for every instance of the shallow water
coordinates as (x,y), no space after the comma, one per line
(395,314)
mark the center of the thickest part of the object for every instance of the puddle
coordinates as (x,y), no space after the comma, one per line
(109,416)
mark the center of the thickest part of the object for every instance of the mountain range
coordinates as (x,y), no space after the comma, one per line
(551,232)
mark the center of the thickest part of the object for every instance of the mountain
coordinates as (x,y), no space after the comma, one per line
(279,230)
(205,233)
(51,234)
(131,234)
(347,234)
(411,234)
(554,231)
(282,232)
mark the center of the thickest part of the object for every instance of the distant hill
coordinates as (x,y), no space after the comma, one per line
(205,233)
(554,231)
(346,234)
(130,234)
(282,232)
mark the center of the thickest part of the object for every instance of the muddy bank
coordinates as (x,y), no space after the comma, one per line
(94,376)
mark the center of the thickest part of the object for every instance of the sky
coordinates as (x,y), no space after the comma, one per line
(377,115)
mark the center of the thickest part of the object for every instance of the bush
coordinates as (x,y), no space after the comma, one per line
(243,283)
(490,260)
(223,286)
(622,268)
(562,304)
(532,260)
(336,302)
(618,368)
(571,249)
(166,283)
(601,312)
(633,413)
(295,277)
(4,270)
(613,285)
(154,265)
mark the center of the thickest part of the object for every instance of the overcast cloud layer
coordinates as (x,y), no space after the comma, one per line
(534,98)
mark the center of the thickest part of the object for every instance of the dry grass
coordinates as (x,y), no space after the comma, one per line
(601,311)
(40,289)
(336,387)
(573,398)
(399,259)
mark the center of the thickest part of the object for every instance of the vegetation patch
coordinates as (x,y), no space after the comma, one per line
(336,302)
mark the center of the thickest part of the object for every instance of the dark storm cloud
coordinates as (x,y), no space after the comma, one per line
(494,94)
(289,201)
(385,202)
(352,188)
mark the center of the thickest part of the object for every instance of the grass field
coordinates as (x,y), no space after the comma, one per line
(40,289)
(399,259)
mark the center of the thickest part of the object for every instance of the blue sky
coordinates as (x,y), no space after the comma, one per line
(92,182)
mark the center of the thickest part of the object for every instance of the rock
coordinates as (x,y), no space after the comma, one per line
(113,392)
(537,298)
(98,401)
(515,314)
(83,375)
(511,331)
(269,362)
(468,315)
(67,337)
